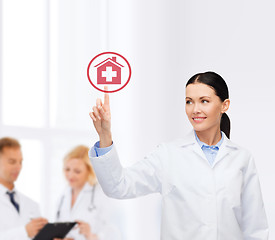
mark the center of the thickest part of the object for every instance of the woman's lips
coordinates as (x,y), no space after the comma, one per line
(198,119)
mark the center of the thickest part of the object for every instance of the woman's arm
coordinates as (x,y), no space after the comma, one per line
(116,181)
(254,221)
(140,179)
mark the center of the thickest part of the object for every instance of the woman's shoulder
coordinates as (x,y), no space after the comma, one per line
(186,139)
(241,154)
(238,147)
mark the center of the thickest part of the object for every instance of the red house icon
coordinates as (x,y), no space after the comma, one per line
(109,72)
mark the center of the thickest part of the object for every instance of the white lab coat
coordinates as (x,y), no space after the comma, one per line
(199,202)
(12,224)
(98,218)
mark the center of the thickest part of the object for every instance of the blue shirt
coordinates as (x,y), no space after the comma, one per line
(210,151)
(98,151)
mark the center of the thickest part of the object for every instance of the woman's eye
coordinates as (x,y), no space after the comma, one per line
(188,102)
(205,101)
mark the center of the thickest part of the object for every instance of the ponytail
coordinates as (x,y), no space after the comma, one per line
(225,125)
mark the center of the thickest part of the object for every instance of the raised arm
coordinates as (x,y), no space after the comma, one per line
(118,182)
(101,117)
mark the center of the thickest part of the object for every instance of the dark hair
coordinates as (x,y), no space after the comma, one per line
(216,82)
(9,143)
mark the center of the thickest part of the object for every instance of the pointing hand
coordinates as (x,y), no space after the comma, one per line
(101,117)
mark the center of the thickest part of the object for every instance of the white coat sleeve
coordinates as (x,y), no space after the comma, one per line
(142,178)
(254,220)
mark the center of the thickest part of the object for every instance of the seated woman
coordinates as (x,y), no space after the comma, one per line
(83,201)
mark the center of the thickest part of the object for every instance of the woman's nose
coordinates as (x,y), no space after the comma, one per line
(68,175)
(196,108)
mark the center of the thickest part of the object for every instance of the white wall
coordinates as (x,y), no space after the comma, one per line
(166,42)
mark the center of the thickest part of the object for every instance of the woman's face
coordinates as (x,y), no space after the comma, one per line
(203,107)
(76,173)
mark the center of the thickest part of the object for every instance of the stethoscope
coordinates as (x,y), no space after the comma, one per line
(91,206)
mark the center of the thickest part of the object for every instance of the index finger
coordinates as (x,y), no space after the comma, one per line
(78,221)
(106,96)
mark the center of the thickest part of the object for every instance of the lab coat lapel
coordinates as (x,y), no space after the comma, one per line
(5,200)
(226,148)
(196,149)
(80,196)
(190,141)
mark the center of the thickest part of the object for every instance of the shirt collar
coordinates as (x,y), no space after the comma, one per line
(190,139)
(4,190)
(202,144)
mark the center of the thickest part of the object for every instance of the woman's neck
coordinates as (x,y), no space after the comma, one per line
(210,136)
(75,193)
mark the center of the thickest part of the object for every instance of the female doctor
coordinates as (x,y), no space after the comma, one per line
(209,185)
(83,201)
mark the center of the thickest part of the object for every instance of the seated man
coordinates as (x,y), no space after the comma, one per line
(19,215)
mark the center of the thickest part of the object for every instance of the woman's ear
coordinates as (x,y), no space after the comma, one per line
(225,105)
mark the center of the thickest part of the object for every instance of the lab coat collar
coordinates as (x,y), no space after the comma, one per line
(87,187)
(5,199)
(190,141)
(226,148)
(3,190)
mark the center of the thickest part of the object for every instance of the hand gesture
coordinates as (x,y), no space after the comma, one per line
(101,116)
(35,225)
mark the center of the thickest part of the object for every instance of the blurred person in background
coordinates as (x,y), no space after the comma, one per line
(83,201)
(19,215)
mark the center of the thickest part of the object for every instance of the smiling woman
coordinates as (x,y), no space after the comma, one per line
(209,185)
(206,104)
